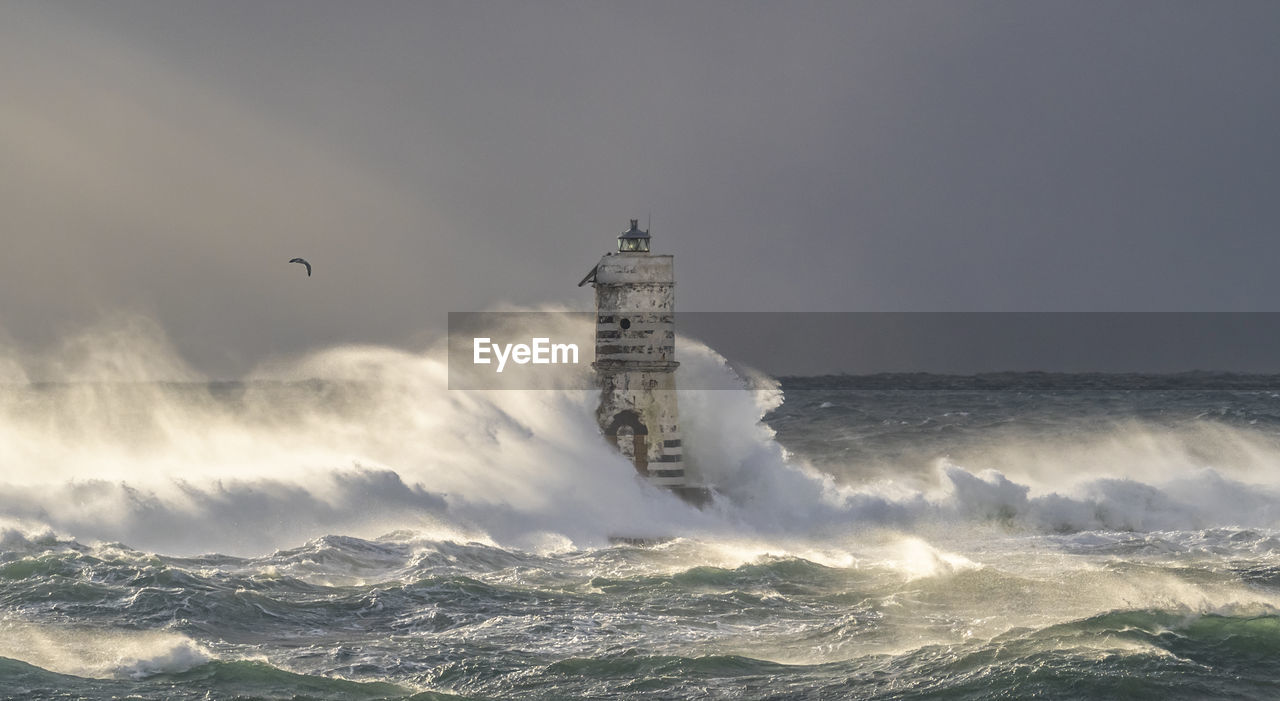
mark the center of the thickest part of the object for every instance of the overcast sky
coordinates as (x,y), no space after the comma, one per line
(169,157)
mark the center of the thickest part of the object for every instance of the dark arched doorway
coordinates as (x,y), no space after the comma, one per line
(626,425)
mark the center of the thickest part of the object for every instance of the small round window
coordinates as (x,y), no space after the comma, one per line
(625,323)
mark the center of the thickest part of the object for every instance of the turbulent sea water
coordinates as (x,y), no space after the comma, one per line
(376,536)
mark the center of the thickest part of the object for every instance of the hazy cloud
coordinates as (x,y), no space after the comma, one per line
(169,158)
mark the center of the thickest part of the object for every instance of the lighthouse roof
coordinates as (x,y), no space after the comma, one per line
(634,232)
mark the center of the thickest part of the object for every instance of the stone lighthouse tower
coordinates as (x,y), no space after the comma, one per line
(635,360)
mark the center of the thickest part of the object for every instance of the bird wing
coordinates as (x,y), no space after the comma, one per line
(304,262)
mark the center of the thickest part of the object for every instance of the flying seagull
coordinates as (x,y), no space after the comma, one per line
(299,260)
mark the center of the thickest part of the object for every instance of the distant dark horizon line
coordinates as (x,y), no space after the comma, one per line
(1039,379)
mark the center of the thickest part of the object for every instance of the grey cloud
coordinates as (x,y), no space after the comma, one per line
(434,157)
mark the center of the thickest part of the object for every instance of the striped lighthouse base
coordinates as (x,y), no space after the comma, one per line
(668,469)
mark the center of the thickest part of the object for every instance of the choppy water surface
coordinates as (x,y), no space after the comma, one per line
(380,540)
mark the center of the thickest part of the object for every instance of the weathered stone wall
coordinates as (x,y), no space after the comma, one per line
(635,360)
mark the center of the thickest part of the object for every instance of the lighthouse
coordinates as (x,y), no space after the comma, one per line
(635,361)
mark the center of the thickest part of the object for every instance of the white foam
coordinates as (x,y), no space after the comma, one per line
(99,654)
(384,445)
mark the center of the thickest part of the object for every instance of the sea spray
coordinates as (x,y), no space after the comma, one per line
(88,652)
(356,439)
(366,440)
(341,525)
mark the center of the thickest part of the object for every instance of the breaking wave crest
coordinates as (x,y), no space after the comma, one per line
(132,446)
